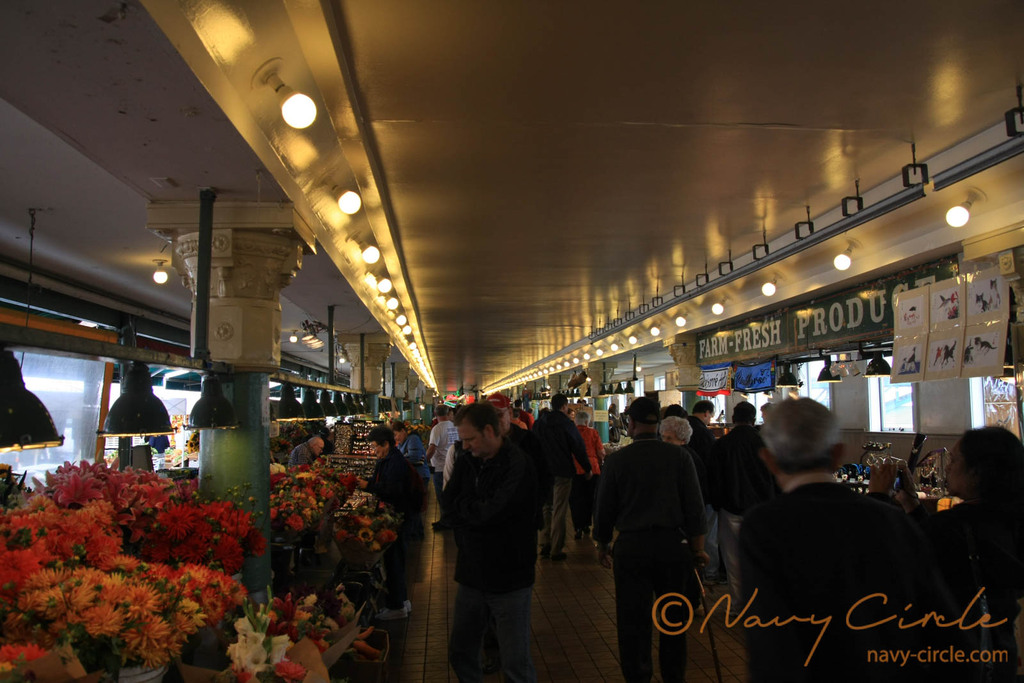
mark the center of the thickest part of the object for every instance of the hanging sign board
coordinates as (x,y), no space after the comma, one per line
(714,380)
(756,377)
(860,314)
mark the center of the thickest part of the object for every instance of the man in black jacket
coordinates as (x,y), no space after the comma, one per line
(701,442)
(490,500)
(738,480)
(562,442)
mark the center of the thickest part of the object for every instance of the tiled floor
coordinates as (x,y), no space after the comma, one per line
(573,621)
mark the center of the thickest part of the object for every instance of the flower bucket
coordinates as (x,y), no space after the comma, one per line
(141,674)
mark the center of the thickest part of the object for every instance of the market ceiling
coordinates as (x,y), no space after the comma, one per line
(530,172)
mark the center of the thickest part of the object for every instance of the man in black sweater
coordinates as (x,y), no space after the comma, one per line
(490,500)
(738,480)
(650,493)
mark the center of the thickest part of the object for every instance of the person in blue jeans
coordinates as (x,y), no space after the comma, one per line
(490,501)
(412,448)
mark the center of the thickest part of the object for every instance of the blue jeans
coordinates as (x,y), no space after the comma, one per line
(510,612)
(438,485)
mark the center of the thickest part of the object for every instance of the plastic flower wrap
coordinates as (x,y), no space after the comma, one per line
(368,521)
(310,613)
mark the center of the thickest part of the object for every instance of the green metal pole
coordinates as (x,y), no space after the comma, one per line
(235,463)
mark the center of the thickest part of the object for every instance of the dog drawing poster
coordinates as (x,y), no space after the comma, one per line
(988,297)
(945,353)
(984,350)
(908,355)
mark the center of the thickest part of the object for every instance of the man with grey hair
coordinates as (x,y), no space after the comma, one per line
(305,453)
(840,573)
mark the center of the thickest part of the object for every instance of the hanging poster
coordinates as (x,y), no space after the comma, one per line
(988,297)
(984,350)
(714,379)
(912,312)
(945,352)
(757,377)
(947,299)
(908,359)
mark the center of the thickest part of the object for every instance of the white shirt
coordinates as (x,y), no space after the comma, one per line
(443,435)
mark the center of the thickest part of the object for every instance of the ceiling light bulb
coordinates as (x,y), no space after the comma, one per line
(371,254)
(639,368)
(407,329)
(842,261)
(160,274)
(392,303)
(349,202)
(615,347)
(401,320)
(412,345)
(958,216)
(293,338)
(298,110)
(655,331)
(632,339)
(768,289)
(599,352)
(586,356)
(717,308)
(384,285)
(575,361)
(680,321)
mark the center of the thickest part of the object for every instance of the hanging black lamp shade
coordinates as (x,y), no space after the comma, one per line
(629,388)
(212,410)
(310,406)
(826,373)
(878,367)
(353,407)
(326,405)
(339,403)
(788,379)
(288,408)
(24,421)
(137,411)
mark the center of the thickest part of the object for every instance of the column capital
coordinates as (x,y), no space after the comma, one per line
(683,349)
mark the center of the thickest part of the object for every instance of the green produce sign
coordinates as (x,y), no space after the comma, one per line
(863,313)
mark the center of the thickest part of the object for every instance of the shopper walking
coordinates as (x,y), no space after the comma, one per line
(562,444)
(442,436)
(701,442)
(584,490)
(650,493)
(491,503)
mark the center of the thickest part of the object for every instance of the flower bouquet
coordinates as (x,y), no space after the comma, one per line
(66,583)
(364,528)
(310,613)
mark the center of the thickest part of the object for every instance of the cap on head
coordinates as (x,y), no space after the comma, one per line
(643,411)
(499,401)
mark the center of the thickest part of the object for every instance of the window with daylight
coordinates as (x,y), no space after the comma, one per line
(890,406)
(994,404)
(807,373)
(659,383)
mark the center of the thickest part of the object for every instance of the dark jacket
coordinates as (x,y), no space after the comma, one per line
(492,505)
(390,481)
(528,443)
(562,442)
(818,551)
(702,439)
(648,485)
(737,477)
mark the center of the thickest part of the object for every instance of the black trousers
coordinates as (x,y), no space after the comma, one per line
(581,501)
(394,569)
(647,565)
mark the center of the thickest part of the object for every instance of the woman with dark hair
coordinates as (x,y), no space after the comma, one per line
(980,542)
(390,483)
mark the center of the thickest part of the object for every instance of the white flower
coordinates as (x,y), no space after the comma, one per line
(278,647)
(249,653)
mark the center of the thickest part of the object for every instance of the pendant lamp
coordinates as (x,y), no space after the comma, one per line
(826,374)
(310,406)
(288,408)
(137,411)
(788,380)
(353,407)
(24,421)
(618,388)
(629,388)
(212,410)
(878,367)
(339,403)
(326,405)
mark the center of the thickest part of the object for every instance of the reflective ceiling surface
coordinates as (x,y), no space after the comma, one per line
(529,170)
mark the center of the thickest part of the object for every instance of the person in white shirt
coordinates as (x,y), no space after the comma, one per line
(442,436)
